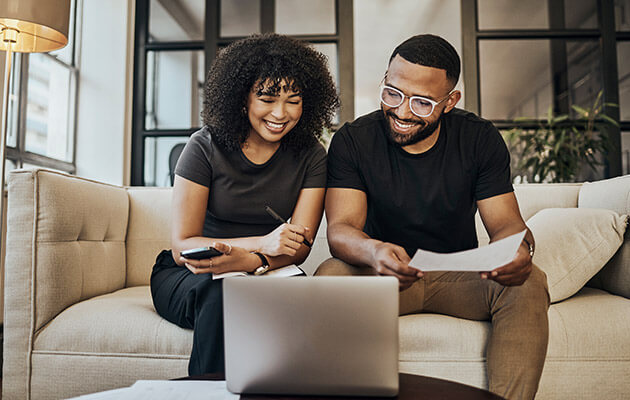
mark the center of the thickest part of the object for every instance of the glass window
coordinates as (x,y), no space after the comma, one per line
(534,14)
(174,89)
(622,15)
(303,17)
(517,77)
(623,54)
(50,105)
(584,73)
(160,157)
(14,101)
(176,20)
(9,165)
(240,17)
(625,152)
(66,54)
(330,51)
(509,14)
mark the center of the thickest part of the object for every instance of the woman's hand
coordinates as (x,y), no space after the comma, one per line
(233,259)
(284,240)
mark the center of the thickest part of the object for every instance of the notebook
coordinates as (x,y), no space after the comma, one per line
(311,335)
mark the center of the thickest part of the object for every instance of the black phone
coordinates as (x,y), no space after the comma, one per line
(201,253)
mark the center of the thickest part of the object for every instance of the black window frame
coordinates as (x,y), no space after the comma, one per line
(343,38)
(605,33)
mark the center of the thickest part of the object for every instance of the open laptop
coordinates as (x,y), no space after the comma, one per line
(311,335)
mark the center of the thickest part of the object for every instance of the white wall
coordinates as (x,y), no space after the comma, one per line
(380,25)
(102,149)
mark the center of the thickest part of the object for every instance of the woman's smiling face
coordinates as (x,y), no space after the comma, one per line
(273,113)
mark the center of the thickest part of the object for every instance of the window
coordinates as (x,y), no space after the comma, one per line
(42,105)
(176,42)
(563,54)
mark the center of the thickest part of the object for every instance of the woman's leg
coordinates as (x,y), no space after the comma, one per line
(194,302)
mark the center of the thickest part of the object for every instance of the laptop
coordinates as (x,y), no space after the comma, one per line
(311,335)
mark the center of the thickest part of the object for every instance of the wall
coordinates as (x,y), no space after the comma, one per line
(102,146)
(380,25)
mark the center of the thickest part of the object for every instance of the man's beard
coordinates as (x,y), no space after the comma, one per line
(424,130)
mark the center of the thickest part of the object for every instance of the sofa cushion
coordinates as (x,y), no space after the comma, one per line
(123,322)
(572,244)
(613,194)
(588,334)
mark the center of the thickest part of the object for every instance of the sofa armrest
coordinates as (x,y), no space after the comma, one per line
(65,243)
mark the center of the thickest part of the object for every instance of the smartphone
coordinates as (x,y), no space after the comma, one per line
(200,253)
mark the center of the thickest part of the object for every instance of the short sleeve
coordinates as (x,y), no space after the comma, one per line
(316,169)
(493,165)
(343,166)
(194,162)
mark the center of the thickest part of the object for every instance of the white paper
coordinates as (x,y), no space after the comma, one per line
(167,390)
(180,390)
(115,394)
(289,270)
(485,258)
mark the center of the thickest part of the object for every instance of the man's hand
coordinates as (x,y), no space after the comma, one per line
(392,260)
(514,273)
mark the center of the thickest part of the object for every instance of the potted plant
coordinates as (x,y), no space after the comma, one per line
(555,150)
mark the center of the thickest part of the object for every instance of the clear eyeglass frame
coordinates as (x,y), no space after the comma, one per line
(433,103)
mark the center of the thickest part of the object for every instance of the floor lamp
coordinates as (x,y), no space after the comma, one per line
(27,26)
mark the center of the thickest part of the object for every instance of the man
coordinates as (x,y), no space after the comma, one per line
(412,175)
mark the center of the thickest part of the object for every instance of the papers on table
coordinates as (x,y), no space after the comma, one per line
(163,390)
(485,258)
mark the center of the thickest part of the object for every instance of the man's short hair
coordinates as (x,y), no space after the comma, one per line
(430,51)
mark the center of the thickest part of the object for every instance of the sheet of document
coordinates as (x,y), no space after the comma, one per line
(485,258)
(115,394)
(180,390)
(166,390)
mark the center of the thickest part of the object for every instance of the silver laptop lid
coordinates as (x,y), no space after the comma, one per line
(311,335)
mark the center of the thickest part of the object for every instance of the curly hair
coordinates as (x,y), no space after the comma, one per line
(267,60)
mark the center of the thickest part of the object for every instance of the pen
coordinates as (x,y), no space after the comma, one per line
(278,218)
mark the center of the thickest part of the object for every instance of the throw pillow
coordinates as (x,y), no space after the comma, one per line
(573,244)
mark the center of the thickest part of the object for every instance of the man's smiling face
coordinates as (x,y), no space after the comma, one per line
(406,128)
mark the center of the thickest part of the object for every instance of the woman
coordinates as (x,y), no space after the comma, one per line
(267,100)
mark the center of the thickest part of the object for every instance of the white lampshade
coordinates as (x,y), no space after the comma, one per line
(42,25)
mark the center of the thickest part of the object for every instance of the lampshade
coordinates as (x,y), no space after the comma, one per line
(42,25)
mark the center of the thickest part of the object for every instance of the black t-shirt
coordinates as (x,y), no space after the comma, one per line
(423,200)
(240,189)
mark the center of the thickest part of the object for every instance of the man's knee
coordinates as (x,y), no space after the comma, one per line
(531,296)
(536,286)
(336,267)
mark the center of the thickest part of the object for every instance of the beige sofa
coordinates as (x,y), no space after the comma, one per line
(79,318)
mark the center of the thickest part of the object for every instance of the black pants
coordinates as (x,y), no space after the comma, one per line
(193,302)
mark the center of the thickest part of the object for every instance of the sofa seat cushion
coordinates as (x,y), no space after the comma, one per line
(122,322)
(592,325)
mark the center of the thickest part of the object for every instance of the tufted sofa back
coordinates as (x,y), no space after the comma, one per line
(65,241)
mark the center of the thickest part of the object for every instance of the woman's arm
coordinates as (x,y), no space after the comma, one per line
(190,201)
(306,215)
(282,246)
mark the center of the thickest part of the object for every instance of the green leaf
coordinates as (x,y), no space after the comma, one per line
(609,120)
(580,110)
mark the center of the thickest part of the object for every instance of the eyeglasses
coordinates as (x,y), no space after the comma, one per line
(420,106)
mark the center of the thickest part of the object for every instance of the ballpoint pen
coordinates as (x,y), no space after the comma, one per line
(278,218)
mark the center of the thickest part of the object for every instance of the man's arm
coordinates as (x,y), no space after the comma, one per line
(502,217)
(346,212)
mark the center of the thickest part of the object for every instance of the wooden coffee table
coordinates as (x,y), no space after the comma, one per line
(411,387)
